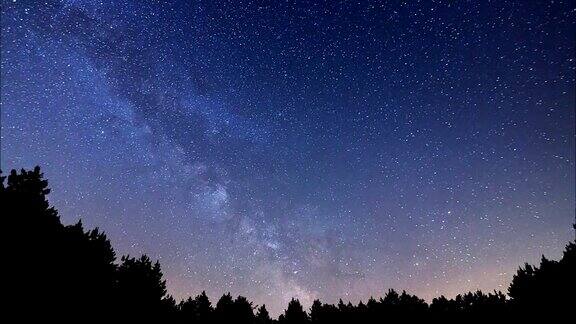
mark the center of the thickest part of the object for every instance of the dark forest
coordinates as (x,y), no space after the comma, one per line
(67,272)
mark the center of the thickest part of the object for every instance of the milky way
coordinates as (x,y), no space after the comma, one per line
(329,150)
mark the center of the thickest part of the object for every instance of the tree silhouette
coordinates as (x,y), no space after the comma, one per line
(262,315)
(324,313)
(140,286)
(243,311)
(63,265)
(470,306)
(224,309)
(68,265)
(294,314)
(197,310)
(317,314)
(549,288)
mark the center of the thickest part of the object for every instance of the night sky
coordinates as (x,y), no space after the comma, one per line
(329,150)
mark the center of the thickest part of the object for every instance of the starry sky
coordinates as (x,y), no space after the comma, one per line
(302,149)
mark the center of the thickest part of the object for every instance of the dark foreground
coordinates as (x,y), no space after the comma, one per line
(63,272)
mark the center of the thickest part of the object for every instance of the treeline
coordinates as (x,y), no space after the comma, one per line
(65,272)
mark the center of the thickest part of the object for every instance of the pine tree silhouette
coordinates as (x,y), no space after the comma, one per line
(197,310)
(262,315)
(224,309)
(295,314)
(62,265)
(243,311)
(67,265)
(140,287)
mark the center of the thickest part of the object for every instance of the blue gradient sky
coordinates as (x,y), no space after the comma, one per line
(329,150)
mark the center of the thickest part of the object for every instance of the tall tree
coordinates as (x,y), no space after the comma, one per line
(140,287)
(224,309)
(295,314)
(63,265)
(262,315)
(243,311)
(197,310)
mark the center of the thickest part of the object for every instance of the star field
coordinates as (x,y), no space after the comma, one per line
(309,150)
